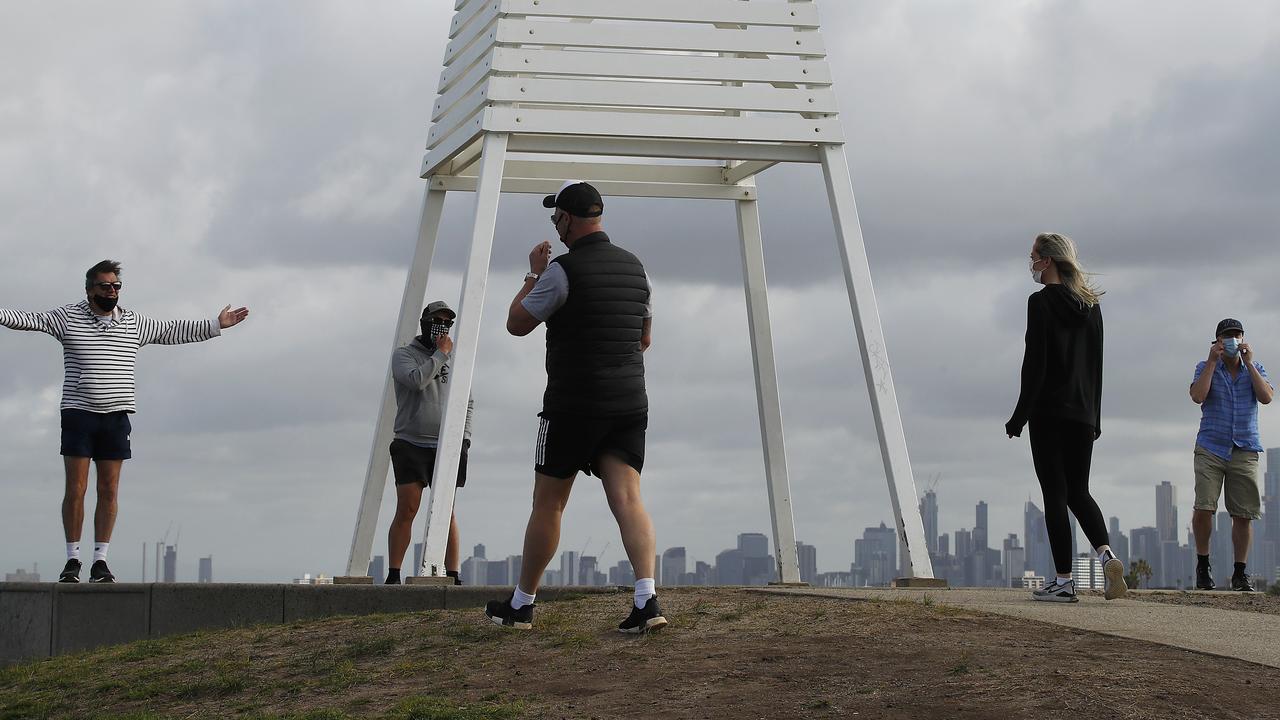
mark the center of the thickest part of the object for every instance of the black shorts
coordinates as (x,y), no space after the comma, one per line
(101,436)
(569,443)
(414,464)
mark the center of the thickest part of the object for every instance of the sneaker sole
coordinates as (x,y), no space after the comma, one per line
(1116,586)
(650,625)
(101,581)
(511,626)
(68,580)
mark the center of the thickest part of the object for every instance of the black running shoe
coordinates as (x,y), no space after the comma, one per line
(71,572)
(99,573)
(642,620)
(457,577)
(1204,577)
(1241,583)
(501,613)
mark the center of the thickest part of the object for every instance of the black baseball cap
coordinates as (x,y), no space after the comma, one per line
(576,198)
(1228,325)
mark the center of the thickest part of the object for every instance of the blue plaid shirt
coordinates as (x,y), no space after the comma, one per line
(1229,413)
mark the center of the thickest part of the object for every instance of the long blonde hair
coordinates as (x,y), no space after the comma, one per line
(1062,251)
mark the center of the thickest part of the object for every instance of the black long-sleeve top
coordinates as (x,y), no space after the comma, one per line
(1062,365)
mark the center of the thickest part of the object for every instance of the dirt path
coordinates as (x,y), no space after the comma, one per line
(727,654)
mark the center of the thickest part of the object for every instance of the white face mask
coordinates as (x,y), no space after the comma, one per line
(1036,275)
(1231,346)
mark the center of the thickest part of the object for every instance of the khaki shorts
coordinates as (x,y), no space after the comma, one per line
(1240,477)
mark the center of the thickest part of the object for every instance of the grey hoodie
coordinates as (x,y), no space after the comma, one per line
(419,373)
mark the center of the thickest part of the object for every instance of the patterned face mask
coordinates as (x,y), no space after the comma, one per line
(438,330)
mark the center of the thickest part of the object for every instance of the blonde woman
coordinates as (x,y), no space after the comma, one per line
(1061,400)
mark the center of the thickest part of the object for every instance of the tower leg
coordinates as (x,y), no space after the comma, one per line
(767,397)
(875,364)
(375,479)
(462,367)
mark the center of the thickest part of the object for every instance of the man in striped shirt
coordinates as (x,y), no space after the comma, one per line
(100,343)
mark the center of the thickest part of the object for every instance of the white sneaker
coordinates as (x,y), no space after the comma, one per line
(1113,574)
(1063,591)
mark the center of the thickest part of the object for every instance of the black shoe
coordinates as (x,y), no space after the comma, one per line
(501,613)
(1204,577)
(1057,591)
(642,620)
(99,573)
(71,572)
(393,577)
(457,577)
(1241,583)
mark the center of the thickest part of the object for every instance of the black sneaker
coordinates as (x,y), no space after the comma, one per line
(1057,591)
(99,573)
(71,572)
(1204,577)
(1241,583)
(501,613)
(642,620)
(457,577)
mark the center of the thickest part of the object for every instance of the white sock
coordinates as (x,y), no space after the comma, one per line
(73,551)
(644,591)
(1062,580)
(520,598)
(100,551)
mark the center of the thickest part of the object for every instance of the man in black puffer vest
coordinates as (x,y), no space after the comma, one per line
(595,302)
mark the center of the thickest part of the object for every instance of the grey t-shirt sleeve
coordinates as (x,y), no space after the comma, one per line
(548,294)
(552,290)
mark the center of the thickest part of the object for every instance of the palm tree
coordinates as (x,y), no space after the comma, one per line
(1139,572)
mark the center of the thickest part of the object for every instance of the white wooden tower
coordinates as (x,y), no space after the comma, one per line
(658,98)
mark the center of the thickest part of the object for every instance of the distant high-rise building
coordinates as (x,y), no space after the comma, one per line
(1144,544)
(514,563)
(475,569)
(377,568)
(170,563)
(23,575)
(929,513)
(1035,537)
(876,555)
(478,551)
(673,566)
(964,544)
(1015,560)
(730,568)
(1268,546)
(944,545)
(206,570)
(980,530)
(753,545)
(1087,572)
(808,556)
(1119,542)
(497,574)
(1221,551)
(569,566)
(587,574)
(622,574)
(1167,512)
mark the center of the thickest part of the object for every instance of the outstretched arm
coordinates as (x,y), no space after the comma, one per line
(53,322)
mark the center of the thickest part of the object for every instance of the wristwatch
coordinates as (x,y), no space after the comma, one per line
(531,276)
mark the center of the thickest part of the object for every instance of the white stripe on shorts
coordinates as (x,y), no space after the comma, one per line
(540,452)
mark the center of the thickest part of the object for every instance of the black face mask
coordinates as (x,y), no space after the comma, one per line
(105,304)
(432,330)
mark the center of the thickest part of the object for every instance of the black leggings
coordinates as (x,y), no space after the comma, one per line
(1062,451)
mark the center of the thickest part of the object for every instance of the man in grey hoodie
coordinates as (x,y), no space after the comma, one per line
(421,369)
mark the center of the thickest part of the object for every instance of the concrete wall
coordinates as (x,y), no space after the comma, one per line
(39,620)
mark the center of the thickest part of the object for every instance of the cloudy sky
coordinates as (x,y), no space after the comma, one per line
(266,154)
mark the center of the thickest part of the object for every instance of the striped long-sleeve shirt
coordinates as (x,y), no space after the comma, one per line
(100,354)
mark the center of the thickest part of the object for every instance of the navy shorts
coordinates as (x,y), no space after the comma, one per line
(415,464)
(568,444)
(101,436)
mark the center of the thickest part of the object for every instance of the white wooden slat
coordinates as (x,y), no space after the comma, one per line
(448,147)
(529,61)
(479,12)
(761,98)
(691,127)
(530,32)
(457,116)
(622,172)
(584,145)
(608,188)
(698,11)
(460,86)
(738,173)
(476,53)
(480,31)
(459,4)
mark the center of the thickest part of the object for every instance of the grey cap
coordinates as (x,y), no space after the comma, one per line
(437,306)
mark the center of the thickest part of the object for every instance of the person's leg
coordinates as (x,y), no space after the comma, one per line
(451,550)
(104,514)
(1078,459)
(1241,538)
(542,534)
(1210,474)
(1047,456)
(408,499)
(1202,528)
(622,490)
(77,475)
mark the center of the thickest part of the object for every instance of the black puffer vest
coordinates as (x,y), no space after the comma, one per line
(594,363)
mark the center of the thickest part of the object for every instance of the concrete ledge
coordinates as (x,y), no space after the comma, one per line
(89,616)
(309,602)
(182,608)
(26,621)
(920,582)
